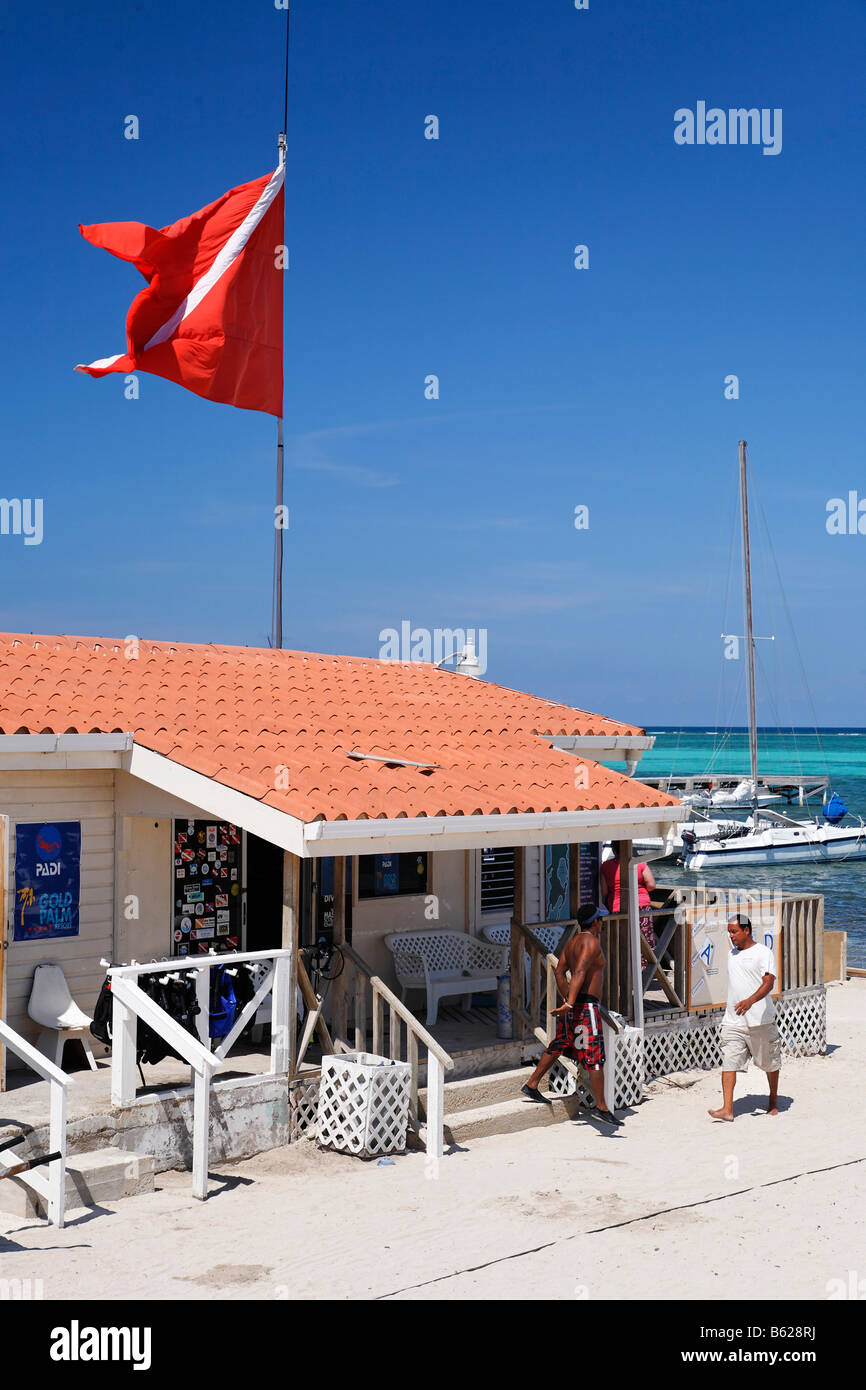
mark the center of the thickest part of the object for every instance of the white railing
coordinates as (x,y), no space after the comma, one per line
(438,1060)
(131,1003)
(51,1185)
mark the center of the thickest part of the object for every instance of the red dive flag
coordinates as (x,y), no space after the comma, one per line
(211,317)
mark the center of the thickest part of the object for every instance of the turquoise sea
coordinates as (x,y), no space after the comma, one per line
(838,753)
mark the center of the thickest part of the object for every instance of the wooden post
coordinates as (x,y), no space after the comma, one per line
(340,996)
(631,979)
(289,942)
(573,880)
(435,1109)
(57,1144)
(552,1000)
(200,1134)
(534,987)
(281,1016)
(124,1033)
(378,1022)
(412,1059)
(518,1000)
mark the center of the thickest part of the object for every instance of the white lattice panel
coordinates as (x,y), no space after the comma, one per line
(303,1108)
(683,1044)
(802,1018)
(363,1104)
(624,1053)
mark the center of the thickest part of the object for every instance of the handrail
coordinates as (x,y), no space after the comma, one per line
(205,962)
(35,1059)
(50,1185)
(399,1007)
(438,1060)
(131,1002)
(189,1047)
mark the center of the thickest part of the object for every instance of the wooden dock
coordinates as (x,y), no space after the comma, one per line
(788,787)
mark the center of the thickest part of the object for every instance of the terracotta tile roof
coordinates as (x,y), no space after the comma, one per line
(280,725)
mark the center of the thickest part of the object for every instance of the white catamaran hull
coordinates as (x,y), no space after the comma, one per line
(812,844)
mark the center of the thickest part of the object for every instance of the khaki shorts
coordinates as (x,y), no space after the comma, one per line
(762,1045)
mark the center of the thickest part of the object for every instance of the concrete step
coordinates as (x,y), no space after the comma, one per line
(507,1117)
(483,1105)
(92,1178)
(475,1092)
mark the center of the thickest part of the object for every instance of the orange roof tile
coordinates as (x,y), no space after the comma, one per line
(280,725)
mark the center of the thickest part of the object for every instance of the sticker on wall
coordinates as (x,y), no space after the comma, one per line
(193,895)
(223,853)
(223,916)
(183,949)
(178,936)
(222,899)
(203,933)
(222,929)
(185,923)
(190,827)
(47,880)
(181,837)
(207,922)
(211,837)
(199,909)
(180,873)
(234,873)
(187,855)
(193,868)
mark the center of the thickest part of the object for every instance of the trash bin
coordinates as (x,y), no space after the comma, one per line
(363,1104)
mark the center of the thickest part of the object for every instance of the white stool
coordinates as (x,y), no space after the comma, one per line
(52,1005)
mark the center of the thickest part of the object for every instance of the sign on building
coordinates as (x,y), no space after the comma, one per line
(47,880)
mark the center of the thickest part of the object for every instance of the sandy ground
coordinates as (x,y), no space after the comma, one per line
(671,1206)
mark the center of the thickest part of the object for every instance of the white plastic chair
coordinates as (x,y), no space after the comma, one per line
(52,1005)
(549,936)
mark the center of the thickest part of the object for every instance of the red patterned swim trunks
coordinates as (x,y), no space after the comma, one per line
(579,1035)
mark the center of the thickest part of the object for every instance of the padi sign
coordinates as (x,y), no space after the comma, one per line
(47,879)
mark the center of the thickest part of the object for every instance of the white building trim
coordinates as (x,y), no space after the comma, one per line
(318,839)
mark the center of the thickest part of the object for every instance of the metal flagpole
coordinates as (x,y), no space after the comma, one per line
(277,606)
(750,637)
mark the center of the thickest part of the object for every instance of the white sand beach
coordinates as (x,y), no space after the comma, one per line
(672,1206)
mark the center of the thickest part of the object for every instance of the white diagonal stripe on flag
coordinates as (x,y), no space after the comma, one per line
(225,258)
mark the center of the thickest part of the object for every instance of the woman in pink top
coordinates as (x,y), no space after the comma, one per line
(645,884)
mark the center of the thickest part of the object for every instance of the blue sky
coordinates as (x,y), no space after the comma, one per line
(558,387)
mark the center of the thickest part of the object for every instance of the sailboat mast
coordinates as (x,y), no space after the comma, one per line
(750,639)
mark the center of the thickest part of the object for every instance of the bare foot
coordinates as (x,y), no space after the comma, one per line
(772,1108)
(721,1115)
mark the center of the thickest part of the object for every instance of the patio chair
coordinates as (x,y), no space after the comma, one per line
(52,1005)
(549,936)
(445,963)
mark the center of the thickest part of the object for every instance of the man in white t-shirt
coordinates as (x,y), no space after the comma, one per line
(749,1029)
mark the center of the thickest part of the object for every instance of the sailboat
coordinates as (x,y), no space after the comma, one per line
(768,837)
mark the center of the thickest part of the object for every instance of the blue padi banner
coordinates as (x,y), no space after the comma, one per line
(47,880)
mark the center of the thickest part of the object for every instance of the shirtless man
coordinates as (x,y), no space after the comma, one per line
(578,1027)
